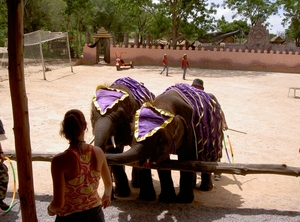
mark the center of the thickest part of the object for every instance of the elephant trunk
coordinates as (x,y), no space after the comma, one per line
(103,128)
(136,153)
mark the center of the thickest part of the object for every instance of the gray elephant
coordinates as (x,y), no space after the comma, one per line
(112,113)
(184,121)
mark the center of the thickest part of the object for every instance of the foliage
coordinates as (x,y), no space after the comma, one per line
(224,26)
(174,20)
(188,17)
(252,10)
(292,19)
(3,22)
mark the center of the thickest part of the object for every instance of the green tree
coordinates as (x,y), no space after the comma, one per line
(54,15)
(3,22)
(33,19)
(224,26)
(179,19)
(292,19)
(137,18)
(252,10)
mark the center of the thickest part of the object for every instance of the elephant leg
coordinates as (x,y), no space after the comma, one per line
(206,182)
(186,193)
(147,191)
(122,188)
(167,194)
(135,173)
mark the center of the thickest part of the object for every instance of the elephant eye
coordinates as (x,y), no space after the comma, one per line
(161,139)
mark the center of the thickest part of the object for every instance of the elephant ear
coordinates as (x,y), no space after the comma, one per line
(149,119)
(105,98)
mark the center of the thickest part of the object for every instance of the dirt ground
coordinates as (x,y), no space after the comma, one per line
(256,103)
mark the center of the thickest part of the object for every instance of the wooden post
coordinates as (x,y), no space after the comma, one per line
(20,109)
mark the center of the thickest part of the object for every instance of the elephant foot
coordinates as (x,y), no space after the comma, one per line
(147,195)
(206,182)
(122,188)
(123,191)
(167,197)
(147,191)
(135,181)
(185,197)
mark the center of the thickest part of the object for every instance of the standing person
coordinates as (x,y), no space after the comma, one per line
(165,64)
(198,83)
(3,181)
(184,65)
(76,174)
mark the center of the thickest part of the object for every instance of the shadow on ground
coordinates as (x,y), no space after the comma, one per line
(137,210)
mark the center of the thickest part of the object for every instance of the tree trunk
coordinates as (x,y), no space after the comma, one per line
(20,109)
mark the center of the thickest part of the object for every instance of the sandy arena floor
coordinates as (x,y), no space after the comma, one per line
(256,103)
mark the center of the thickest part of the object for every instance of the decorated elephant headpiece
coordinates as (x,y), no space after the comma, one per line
(149,119)
(105,98)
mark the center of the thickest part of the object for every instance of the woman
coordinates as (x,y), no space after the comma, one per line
(76,174)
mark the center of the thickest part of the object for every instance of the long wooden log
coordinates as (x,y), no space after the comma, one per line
(226,168)
(197,166)
(47,157)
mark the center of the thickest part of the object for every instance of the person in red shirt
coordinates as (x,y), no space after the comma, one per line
(184,65)
(165,64)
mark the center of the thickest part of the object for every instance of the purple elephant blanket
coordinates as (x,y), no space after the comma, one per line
(206,121)
(140,92)
(106,97)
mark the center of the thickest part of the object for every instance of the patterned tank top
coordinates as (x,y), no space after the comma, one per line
(81,192)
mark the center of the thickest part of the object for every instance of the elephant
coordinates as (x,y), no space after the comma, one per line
(183,120)
(112,112)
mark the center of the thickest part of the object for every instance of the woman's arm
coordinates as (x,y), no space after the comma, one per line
(58,179)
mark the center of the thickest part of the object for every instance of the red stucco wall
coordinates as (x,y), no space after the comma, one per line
(217,59)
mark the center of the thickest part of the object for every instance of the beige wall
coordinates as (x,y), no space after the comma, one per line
(89,53)
(218,58)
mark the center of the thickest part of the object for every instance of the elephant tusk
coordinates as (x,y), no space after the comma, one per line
(113,141)
(92,140)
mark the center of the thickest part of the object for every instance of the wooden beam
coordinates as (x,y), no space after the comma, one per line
(44,157)
(20,109)
(198,166)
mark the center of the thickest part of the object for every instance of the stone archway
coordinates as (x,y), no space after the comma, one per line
(100,47)
(103,47)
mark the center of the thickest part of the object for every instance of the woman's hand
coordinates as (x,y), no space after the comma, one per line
(51,213)
(105,201)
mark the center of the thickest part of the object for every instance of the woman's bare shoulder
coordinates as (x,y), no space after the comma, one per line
(62,158)
(98,151)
